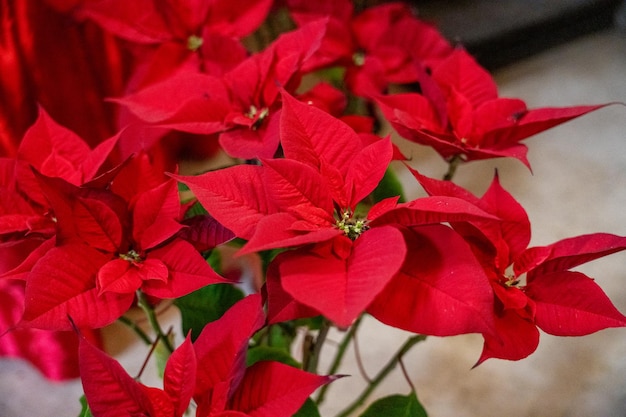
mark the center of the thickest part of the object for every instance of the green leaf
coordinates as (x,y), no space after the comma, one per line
(308,409)
(390,186)
(396,406)
(195,210)
(333,75)
(269,353)
(206,305)
(281,336)
(85,412)
(215,260)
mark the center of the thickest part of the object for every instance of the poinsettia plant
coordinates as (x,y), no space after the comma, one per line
(207,132)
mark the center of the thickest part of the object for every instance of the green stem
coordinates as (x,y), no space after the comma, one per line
(133,326)
(452,166)
(382,374)
(316,348)
(341,351)
(142,301)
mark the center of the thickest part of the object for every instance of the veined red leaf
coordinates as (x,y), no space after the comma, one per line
(531,122)
(204,232)
(382,207)
(220,54)
(515,338)
(179,378)
(188,270)
(35,253)
(410,112)
(461,72)
(507,236)
(220,348)
(436,187)
(341,287)
(298,189)
(46,143)
(125,277)
(250,143)
(89,215)
(139,21)
(336,183)
(97,224)
(234,196)
(571,304)
(514,227)
(567,253)
(303,11)
(281,305)
(54,354)
(159,402)
(281,230)
(291,52)
(93,162)
(109,390)
(239,19)
(367,169)
(56,151)
(197,102)
(441,289)
(428,210)
(63,283)
(311,135)
(155,215)
(273,389)
(229,413)
(496,114)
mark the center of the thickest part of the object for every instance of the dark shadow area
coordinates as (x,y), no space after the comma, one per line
(500,32)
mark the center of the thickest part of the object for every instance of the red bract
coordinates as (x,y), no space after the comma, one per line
(541,292)
(28,233)
(54,354)
(212,371)
(179,29)
(383,44)
(55,151)
(107,258)
(308,200)
(461,115)
(110,235)
(242,105)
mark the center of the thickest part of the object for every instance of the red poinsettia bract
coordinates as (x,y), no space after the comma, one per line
(342,259)
(534,288)
(460,114)
(383,44)
(242,106)
(212,371)
(89,242)
(204,34)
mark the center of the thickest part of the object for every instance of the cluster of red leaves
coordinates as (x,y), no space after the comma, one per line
(87,220)
(212,371)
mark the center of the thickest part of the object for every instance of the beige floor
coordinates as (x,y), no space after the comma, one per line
(578,186)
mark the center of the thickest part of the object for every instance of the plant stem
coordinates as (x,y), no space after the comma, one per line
(452,166)
(142,302)
(341,351)
(145,362)
(133,326)
(382,374)
(312,359)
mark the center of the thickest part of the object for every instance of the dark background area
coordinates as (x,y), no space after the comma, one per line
(500,32)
